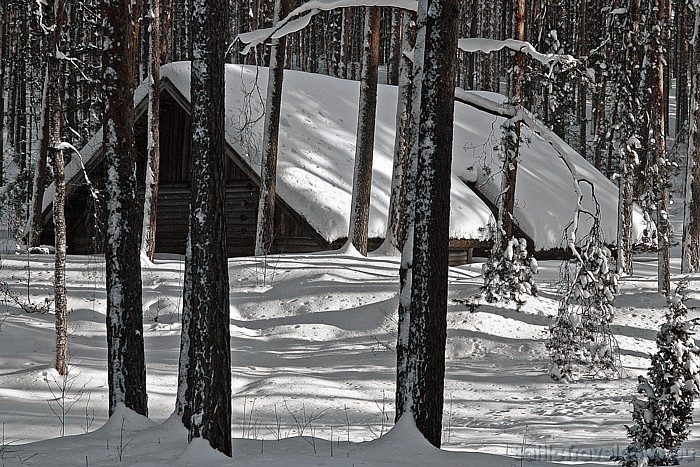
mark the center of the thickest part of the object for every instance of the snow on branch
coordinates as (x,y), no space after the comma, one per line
(478,44)
(65,146)
(301,16)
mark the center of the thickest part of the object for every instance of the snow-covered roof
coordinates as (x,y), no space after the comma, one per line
(317,147)
(545,192)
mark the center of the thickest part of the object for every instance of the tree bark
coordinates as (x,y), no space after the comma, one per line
(165,33)
(264,238)
(658,128)
(435,58)
(690,258)
(3,63)
(205,351)
(396,227)
(511,136)
(364,146)
(682,63)
(54,12)
(401,207)
(38,186)
(126,365)
(627,132)
(395,48)
(150,205)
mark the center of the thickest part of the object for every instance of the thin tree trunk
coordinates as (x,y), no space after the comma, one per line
(658,113)
(395,49)
(582,88)
(396,228)
(682,61)
(264,237)
(600,127)
(205,351)
(627,131)
(165,33)
(404,382)
(364,146)
(125,349)
(345,44)
(690,258)
(3,63)
(511,136)
(38,186)
(150,205)
(55,12)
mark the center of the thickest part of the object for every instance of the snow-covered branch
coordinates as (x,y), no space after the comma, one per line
(478,44)
(301,16)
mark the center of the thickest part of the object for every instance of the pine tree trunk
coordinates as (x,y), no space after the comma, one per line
(364,146)
(690,258)
(582,88)
(125,349)
(600,126)
(396,228)
(264,238)
(435,58)
(165,33)
(395,49)
(682,63)
(3,63)
(627,131)
(401,210)
(658,128)
(511,134)
(54,13)
(150,206)
(38,186)
(206,349)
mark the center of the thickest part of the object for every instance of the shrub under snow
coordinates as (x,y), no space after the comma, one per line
(509,275)
(663,411)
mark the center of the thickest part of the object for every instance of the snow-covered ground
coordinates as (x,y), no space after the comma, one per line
(313,367)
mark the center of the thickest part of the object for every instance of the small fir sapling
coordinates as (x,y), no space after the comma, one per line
(509,275)
(663,411)
(580,339)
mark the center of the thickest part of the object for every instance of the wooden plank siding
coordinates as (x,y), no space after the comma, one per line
(84,219)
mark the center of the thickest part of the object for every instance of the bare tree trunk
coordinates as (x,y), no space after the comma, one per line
(690,258)
(264,237)
(205,349)
(150,205)
(126,364)
(396,227)
(600,127)
(55,12)
(435,58)
(38,186)
(364,146)
(164,27)
(658,113)
(682,63)
(3,63)
(404,384)
(582,88)
(395,49)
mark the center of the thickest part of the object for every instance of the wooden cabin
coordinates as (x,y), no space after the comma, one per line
(84,218)
(303,223)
